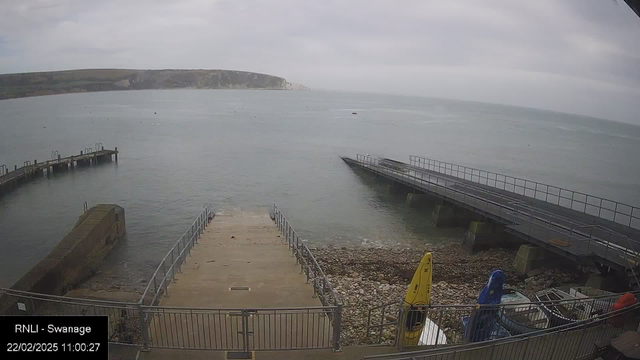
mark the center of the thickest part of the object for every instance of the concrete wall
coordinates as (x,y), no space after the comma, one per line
(78,255)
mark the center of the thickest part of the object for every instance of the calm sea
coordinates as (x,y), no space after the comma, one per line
(245,150)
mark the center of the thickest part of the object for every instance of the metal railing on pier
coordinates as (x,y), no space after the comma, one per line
(584,239)
(611,210)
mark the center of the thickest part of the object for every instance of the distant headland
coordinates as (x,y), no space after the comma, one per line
(88,80)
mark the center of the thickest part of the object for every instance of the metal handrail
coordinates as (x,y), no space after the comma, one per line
(508,305)
(438,312)
(66,299)
(510,212)
(492,179)
(309,265)
(183,247)
(301,249)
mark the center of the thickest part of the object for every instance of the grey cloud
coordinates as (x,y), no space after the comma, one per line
(578,56)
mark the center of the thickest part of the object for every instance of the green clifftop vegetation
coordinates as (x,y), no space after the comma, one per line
(60,82)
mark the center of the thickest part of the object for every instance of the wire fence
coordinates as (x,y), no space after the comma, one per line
(567,342)
(460,324)
(593,205)
(241,330)
(124,318)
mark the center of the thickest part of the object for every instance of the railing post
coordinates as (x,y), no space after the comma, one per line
(179,252)
(438,326)
(204,221)
(584,329)
(493,349)
(144,331)
(155,285)
(526,347)
(555,344)
(337,327)
(173,267)
(314,284)
(402,320)
(290,233)
(245,331)
(164,273)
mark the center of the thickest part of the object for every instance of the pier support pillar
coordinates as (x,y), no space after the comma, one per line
(443,216)
(397,189)
(531,257)
(608,282)
(484,235)
(419,201)
(60,167)
(446,215)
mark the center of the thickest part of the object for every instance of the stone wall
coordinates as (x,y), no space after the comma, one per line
(77,256)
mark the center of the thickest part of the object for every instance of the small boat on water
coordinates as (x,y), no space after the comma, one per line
(520,316)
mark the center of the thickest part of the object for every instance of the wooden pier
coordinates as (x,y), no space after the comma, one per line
(10,180)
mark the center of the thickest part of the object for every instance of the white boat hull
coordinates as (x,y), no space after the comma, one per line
(431,334)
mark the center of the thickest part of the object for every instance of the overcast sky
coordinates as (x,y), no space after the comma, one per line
(577,56)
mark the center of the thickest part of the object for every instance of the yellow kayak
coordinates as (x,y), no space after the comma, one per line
(417,299)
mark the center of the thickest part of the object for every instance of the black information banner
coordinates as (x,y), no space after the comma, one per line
(48,337)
